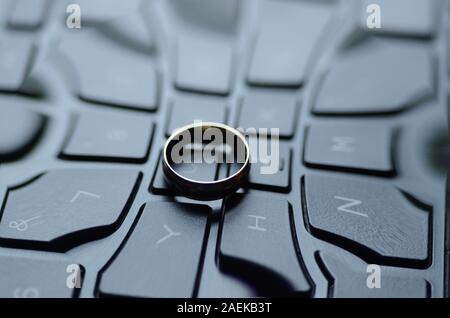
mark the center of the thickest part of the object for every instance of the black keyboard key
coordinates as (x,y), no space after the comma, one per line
(16,55)
(109,73)
(188,108)
(17,140)
(416,18)
(257,245)
(162,257)
(109,137)
(195,171)
(395,75)
(204,64)
(39,278)
(351,281)
(349,212)
(64,208)
(131,30)
(126,23)
(28,15)
(101,11)
(285,43)
(365,148)
(270,109)
(274,175)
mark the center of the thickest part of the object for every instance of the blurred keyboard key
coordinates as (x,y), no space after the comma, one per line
(376,77)
(162,256)
(288,33)
(131,31)
(204,64)
(186,109)
(257,245)
(16,55)
(24,277)
(17,140)
(99,11)
(417,18)
(348,212)
(363,148)
(216,18)
(270,109)
(109,137)
(107,73)
(64,208)
(127,84)
(125,22)
(28,15)
(350,281)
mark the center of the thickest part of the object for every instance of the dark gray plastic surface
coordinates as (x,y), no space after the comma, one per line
(288,31)
(377,76)
(64,208)
(204,64)
(163,254)
(187,108)
(358,147)
(269,108)
(107,137)
(257,237)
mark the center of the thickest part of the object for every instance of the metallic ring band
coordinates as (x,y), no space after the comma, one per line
(205,190)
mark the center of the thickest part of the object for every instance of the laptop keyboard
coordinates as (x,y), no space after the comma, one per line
(360,185)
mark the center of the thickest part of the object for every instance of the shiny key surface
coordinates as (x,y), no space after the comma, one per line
(162,256)
(349,213)
(257,245)
(64,208)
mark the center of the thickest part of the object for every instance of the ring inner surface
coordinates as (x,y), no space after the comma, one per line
(197,153)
